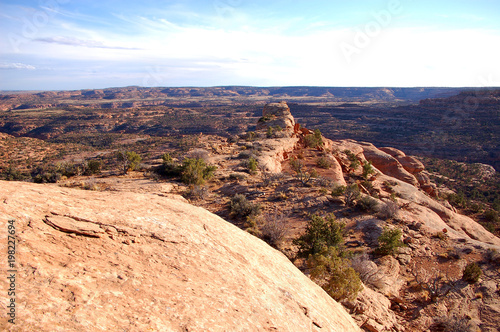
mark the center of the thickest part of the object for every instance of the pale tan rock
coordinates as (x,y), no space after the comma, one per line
(274,152)
(376,307)
(276,114)
(162,265)
(435,216)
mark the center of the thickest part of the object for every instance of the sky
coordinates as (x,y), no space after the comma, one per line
(71,44)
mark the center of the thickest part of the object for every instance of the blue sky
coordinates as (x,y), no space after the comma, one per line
(70,44)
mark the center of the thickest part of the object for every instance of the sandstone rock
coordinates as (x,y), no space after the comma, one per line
(377,309)
(276,114)
(411,164)
(335,171)
(389,282)
(393,152)
(387,164)
(189,270)
(437,217)
(274,152)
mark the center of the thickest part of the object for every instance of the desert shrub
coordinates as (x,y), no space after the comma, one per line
(169,168)
(389,210)
(128,160)
(93,167)
(493,256)
(472,273)
(353,159)
(252,165)
(335,275)
(45,175)
(196,192)
(269,178)
(304,174)
(434,283)
(321,233)
(199,154)
(323,162)
(274,228)
(491,216)
(314,140)
(367,270)
(389,241)
(368,169)
(338,191)
(241,207)
(196,171)
(270,132)
(351,195)
(366,203)
(12,174)
(67,169)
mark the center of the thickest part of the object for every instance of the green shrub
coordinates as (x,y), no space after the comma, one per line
(270,132)
(93,167)
(335,275)
(314,140)
(196,171)
(320,234)
(304,174)
(128,160)
(366,203)
(352,195)
(368,169)
(338,191)
(353,159)
(241,207)
(323,162)
(472,273)
(252,165)
(389,241)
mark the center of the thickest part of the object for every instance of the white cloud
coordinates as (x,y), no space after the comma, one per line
(16,65)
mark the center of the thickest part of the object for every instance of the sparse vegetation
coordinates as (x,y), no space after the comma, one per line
(304,174)
(321,233)
(389,241)
(351,194)
(472,273)
(335,275)
(252,165)
(368,169)
(196,171)
(241,207)
(314,140)
(274,228)
(323,162)
(129,160)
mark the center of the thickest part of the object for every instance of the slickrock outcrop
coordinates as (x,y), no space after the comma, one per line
(108,261)
(276,114)
(387,164)
(437,217)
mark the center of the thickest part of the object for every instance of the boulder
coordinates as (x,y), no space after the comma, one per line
(158,264)
(387,164)
(276,114)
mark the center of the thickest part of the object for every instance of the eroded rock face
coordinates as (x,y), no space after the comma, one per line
(387,164)
(276,114)
(97,261)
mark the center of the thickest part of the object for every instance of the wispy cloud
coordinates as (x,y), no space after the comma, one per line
(16,65)
(80,43)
